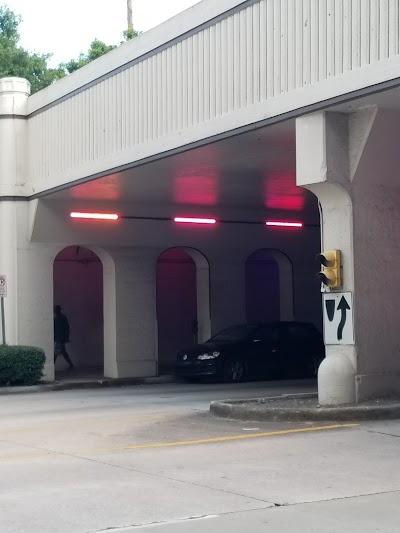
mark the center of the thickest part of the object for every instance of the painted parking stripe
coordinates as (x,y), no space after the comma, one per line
(213,440)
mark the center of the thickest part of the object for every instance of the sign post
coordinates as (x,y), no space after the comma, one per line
(3,294)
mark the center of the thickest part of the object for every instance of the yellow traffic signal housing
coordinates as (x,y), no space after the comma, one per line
(331,274)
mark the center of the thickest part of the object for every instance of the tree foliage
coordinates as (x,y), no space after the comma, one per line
(17,61)
(131,33)
(9,23)
(96,50)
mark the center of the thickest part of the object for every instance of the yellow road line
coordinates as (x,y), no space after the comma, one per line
(82,423)
(181,443)
(218,439)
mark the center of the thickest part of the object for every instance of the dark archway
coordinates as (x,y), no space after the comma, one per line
(269,287)
(183,303)
(78,289)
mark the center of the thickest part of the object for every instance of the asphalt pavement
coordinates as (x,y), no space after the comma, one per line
(152,458)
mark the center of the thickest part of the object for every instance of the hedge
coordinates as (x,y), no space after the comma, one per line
(21,365)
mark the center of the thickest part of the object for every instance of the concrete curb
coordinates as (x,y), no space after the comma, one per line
(257,411)
(90,384)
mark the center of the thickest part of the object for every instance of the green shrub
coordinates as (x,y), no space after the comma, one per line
(21,365)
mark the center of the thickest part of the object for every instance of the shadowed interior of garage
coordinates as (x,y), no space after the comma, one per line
(78,288)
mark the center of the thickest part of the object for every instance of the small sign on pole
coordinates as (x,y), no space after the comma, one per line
(3,286)
(3,294)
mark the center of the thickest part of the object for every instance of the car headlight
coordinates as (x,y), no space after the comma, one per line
(207,356)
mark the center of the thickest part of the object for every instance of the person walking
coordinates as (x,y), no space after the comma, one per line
(61,335)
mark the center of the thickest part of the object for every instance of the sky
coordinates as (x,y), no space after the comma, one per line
(67,27)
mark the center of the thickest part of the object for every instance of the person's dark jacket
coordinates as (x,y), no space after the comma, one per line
(61,328)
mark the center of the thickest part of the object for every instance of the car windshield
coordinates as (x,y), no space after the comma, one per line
(234,333)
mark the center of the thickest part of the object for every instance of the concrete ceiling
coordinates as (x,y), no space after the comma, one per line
(254,171)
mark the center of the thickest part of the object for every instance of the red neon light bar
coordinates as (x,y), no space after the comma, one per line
(95,216)
(185,220)
(285,224)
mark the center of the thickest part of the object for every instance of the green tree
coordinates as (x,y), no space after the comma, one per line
(9,23)
(96,50)
(131,33)
(16,61)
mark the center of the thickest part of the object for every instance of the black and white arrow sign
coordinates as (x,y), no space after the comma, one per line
(338,318)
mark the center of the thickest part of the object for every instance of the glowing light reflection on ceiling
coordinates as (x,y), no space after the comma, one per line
(281,192)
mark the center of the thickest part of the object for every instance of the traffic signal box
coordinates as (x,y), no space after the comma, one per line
(331,273)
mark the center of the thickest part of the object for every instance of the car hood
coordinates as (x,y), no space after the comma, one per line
(194,351)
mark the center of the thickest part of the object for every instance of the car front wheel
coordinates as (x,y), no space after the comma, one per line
(234,370)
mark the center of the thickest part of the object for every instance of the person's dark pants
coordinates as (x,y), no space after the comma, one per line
(60,349)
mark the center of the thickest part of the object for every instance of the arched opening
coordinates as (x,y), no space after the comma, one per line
(183,303)
(269,287)
(78,290)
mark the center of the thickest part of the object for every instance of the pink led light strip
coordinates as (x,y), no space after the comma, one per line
(185,220)
(95,216)
(285,224)
(180,220)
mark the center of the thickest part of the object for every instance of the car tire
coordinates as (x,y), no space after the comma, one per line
(234,370)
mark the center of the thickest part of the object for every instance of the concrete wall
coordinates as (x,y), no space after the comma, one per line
(376,192)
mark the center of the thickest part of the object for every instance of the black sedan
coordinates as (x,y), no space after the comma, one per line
(268,350)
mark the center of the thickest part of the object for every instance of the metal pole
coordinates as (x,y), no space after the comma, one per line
(3,321)
(130,18)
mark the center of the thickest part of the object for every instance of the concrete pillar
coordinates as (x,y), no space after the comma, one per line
(130,318)
(28,266)
(203,294)
(286,285)
(14,94)
(35,289)
(323,167)
(228,299)
(351,163)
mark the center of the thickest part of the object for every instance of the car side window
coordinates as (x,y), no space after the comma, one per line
(267,334)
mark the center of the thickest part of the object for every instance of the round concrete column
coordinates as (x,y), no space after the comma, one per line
(322,151)
(14,94)
(336,373)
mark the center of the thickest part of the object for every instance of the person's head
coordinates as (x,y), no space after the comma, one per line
(57,310)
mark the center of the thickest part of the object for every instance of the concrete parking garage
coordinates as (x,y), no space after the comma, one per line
(240,111)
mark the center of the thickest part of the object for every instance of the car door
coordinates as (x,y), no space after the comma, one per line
(295,349)
(264,343)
